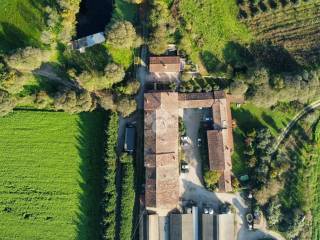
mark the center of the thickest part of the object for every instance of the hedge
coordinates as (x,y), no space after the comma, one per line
(110,177)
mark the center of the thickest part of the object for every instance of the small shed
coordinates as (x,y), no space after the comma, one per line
(89,41)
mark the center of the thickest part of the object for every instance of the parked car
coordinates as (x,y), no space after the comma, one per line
(130,138)
(199,142)
(184,167)
(208,211)
(249,218)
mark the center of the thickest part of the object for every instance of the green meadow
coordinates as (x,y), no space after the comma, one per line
(211,28)
(51,175)
(21,22)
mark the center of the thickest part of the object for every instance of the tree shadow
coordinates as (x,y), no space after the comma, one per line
(269,120)
(210,61)
(12,38)
(245,120)
(95,58)
(237,55)
(91,151)
(276,58)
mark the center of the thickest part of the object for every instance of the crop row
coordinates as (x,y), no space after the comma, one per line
(294,28)
(253,8)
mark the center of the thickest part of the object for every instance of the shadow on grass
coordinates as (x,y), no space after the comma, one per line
(12,38)
(91,150)
(269,120)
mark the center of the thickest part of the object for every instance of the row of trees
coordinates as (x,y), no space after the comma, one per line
(111,194)
(127,201)
(161,27)
(266,89)
(251,8)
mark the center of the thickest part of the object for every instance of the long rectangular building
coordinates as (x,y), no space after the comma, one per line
(161,136)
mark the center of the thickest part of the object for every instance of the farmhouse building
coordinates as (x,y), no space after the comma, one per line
(161,136)
(165,69)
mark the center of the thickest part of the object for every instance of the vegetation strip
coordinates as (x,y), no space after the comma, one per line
(110,177)
(127,196)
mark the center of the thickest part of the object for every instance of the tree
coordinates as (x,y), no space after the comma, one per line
(274,212)
(7,103)
(126,106)
(93,81)
(14,81)
(161,24)
(74,102)
(27,59)
(271,189)
(158,41)
(129,88)
(114,73)
(105,100)
(122,34)
(211,178)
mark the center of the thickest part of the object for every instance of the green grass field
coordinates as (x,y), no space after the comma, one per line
(21,22)
(210,26)
(51,170)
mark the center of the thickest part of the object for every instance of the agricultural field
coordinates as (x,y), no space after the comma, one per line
(295,27)
(21,23)
(208,28)
(51,169)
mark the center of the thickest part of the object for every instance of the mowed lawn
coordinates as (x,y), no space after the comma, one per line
(51,175)
(21,23)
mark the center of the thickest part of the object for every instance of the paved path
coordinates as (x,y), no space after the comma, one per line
(290,125)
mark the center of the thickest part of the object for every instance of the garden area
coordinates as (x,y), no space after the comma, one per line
(51,169)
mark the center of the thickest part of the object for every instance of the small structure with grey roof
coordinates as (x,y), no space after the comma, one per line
(88,41)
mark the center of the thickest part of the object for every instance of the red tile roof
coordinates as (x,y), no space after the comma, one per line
(164,64)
